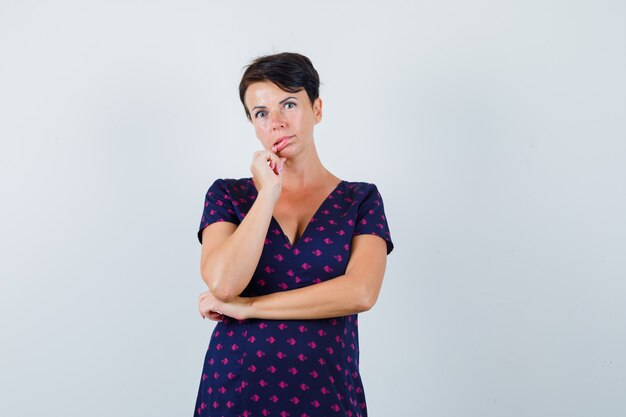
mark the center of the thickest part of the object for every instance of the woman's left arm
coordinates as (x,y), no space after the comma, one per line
(354,292)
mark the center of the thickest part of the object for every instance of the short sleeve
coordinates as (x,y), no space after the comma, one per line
(218,207)
(371,218)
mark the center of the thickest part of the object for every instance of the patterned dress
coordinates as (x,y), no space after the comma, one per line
(290,368)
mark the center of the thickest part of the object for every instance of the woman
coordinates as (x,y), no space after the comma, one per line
(290,257)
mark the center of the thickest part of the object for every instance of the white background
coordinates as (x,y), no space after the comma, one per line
(495,131)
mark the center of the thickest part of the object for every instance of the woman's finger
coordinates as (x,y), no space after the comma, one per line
(266,155)
(216,316)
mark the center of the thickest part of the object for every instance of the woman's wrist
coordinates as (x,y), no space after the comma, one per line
(268,196)
(249,307)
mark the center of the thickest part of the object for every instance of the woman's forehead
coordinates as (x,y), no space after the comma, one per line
(266,92)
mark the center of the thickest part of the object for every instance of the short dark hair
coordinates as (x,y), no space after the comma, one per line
(290,71)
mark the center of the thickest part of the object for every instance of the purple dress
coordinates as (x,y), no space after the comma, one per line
(290,368)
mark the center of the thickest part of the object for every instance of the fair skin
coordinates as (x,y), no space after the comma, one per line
(291,183)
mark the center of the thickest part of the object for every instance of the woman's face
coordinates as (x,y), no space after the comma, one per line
(282,119)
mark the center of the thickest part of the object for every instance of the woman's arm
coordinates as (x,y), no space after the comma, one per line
(230,253)
(354,292)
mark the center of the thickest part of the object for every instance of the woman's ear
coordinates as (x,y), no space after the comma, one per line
(317,110)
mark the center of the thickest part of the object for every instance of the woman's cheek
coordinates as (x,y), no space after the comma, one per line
(264,136)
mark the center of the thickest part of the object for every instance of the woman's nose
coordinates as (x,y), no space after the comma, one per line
(278,121)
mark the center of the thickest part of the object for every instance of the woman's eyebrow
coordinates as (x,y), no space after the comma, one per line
(280,102)
(285,99)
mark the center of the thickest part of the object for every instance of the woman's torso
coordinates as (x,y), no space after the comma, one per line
(295,365)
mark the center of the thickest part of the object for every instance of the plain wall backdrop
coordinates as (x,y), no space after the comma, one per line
(494,130)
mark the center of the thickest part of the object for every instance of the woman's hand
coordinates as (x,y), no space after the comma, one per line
(214,309)
(266,168)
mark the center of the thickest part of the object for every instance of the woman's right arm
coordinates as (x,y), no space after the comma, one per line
(230,253)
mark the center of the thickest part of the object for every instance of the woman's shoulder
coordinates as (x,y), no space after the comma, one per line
(235,184)
(360,188)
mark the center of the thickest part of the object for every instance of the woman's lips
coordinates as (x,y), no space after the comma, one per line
(282,142)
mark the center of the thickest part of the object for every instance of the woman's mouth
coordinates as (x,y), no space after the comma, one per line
(280,144)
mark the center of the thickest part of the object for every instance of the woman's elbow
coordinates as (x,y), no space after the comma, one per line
(367,300)
(217,285)
(222,292)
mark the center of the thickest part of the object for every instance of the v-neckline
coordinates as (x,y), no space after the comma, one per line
(306,228)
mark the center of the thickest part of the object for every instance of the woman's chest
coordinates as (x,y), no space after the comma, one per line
(295,214)
(320,253)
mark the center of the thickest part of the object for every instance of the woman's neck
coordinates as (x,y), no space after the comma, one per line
(305,171)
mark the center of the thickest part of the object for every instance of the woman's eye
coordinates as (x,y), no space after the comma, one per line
(260,114)
(290,105)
